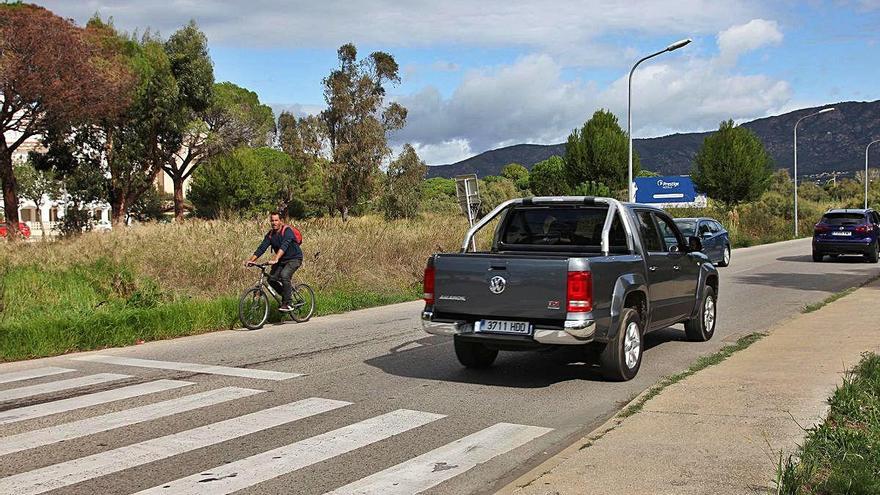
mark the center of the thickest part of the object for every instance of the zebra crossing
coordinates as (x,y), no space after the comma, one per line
(415,475)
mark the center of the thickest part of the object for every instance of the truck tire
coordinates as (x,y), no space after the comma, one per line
(702,327)
(817,256)
(622,356)
(474,354)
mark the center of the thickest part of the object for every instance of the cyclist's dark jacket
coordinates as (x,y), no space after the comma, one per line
(286,242)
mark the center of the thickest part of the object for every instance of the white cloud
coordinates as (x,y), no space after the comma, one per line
(737,40)
(530,102)
(524,102)
(451,151)
(296,109)
(556,26)
(694,95)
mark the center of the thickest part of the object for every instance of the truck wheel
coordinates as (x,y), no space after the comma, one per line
(474,354)
(817,256)
(622,356)
(702,327)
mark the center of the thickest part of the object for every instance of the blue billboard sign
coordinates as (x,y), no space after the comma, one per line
(674,190)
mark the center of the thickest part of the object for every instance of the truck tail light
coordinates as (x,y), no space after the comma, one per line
(580,292)
(428,285)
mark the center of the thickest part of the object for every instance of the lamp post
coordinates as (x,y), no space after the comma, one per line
(866,170)
(824,110)
(674,46)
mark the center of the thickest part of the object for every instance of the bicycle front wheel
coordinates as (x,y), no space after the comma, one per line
(303,303)
(253,308)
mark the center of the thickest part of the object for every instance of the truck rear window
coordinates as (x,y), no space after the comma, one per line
(558,226)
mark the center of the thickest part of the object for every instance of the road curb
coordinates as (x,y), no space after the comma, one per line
(535,473)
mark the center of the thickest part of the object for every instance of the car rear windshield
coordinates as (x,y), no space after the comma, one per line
(843,218)
(577,227)
(687,227)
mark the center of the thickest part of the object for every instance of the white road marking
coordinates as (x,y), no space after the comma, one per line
(47,388)
(64,405)
(32,373)
(431,469)
(104,463)
(247,472)
(97,424)
(192,367)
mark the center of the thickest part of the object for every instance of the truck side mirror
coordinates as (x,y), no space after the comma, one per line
(694,244)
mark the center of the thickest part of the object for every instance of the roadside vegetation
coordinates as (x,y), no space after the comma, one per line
(841,455)
(166,280)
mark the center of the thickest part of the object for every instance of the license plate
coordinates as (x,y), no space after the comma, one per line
(842,233)
(502,326)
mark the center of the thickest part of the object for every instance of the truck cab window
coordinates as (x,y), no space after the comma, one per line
(648,229)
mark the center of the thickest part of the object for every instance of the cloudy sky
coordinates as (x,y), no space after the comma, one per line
(483,74)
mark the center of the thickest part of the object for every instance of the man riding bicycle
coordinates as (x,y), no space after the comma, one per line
(288,257)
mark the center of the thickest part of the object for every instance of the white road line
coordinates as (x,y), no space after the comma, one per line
(97,424)
(47,388)
(104,463)
(192,367)
(33,373)
(64,405)
(431,469)
(247,472)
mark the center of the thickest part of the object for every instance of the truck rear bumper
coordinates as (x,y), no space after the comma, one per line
(575,332)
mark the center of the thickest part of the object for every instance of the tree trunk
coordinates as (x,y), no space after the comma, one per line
(178,198)
(344,211)
(117,210)
(10,196)
(40,216)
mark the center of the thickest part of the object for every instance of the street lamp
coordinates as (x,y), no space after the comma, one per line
(866,170)
(674,46)
(824,110)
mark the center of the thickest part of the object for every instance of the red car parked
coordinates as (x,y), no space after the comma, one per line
(23,230)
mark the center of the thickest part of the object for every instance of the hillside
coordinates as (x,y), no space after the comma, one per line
(833,141)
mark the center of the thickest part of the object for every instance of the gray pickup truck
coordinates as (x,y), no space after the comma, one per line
(564,271)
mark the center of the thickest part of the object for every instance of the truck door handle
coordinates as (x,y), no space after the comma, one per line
(652,268)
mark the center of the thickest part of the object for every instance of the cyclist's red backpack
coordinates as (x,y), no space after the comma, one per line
(297,235)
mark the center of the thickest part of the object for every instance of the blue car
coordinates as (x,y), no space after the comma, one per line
(716,240)
(849,231)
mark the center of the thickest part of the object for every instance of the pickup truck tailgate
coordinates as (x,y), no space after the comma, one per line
(527,288)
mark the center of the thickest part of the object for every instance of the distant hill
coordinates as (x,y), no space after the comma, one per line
(831,142)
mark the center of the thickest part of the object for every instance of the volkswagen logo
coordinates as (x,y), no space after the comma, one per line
(497,285)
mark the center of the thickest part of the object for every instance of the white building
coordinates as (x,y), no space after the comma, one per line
(52,210)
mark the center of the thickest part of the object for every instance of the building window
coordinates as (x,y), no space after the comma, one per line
(53,214)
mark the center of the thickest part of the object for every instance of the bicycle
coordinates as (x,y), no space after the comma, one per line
(253,306)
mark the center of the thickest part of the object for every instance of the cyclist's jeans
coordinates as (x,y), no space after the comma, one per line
(282,273)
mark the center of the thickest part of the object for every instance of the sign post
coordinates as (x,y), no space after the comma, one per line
(468,193)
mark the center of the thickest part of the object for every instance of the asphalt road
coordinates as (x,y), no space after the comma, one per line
(356,394)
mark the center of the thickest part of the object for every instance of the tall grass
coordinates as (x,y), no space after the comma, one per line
(164,280)
(842,455)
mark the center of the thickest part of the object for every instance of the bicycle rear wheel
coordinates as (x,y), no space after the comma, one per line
(253,308)
(303,303)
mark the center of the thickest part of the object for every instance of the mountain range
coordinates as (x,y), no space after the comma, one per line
(831,142)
